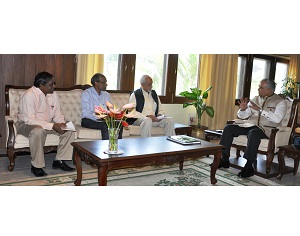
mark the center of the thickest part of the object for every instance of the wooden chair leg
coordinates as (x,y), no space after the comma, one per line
(11,156)
(270,158)
(238,153)
(296,165)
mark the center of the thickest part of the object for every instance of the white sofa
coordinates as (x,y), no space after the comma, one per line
(70,99)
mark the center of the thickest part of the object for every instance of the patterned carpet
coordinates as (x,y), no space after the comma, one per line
(195,173)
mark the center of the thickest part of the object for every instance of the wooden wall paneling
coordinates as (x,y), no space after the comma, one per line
(40,63)
(7,69)
(69,72)
(18,69)
(58,73)
(50,64)
(30,69)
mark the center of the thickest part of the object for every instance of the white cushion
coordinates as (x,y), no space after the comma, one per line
(136,130)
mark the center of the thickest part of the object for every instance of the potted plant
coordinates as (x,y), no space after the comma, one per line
(198,102)
(290,87)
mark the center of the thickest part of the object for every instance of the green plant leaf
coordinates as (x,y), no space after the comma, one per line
(210,111)
(205,95)
(190,96)
(183,93)
(208,89)
(196,91)
(186,104)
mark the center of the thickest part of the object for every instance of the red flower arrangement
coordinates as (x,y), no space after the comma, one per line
(113,115)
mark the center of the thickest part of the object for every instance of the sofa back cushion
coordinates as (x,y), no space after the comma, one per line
(14,97)
(119,99)
(70,101)
(70,104)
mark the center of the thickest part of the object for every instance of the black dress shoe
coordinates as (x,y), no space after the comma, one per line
(246,173)
(61,165)
(223,163)
(38,172)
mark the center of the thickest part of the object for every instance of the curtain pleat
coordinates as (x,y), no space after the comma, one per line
(220,72)
(294,66)
(87,66)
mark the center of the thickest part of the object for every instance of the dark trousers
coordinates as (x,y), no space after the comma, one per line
(254,136)
(91,124)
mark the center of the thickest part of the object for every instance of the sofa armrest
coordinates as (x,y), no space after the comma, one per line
(11,131)
(284,129)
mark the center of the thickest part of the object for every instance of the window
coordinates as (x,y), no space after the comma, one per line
(187,72)
(280,74)
(260,71)
(153,65)
(253,68)
(110,70)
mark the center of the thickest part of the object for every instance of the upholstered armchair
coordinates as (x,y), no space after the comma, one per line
(279,137)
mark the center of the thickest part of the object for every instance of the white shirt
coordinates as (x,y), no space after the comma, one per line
(37,109)
(149,105)
(275,117)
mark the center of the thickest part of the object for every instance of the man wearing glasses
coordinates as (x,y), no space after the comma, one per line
(96,96)
(39,114)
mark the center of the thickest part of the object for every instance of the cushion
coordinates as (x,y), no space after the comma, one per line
(136,130)
(242,141)
(86,133)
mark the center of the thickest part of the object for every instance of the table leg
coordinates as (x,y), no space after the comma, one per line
(102,175)
(296,164)
(78,165)
(180,165)
(281,164)
(214,167)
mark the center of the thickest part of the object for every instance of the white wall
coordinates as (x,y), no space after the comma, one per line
(180,114)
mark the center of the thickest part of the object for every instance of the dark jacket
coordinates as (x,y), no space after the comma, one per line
(140,101)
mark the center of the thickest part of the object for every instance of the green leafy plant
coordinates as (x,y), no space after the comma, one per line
(198,102)
(290,87)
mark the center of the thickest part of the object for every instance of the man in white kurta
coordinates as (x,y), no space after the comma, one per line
(148,109)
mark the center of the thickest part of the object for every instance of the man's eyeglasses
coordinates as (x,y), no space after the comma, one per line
(51,84)
(104,82)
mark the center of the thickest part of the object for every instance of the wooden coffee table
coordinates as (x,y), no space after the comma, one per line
(140,152)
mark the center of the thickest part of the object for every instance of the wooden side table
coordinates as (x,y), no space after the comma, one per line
(290,151)
(181,129)
(212,134)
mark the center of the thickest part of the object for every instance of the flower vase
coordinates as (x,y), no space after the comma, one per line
(113,134)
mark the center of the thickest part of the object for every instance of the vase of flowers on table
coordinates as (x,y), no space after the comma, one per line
(114,117)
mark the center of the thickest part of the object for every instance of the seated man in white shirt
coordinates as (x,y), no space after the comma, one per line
(148,109)
(264,112)
(39,114)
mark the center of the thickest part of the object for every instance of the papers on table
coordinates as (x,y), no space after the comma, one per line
(243,123)
(161,117)
(246,125)
(184,139)
(70,126)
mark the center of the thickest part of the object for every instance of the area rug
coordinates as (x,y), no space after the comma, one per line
(194,173)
